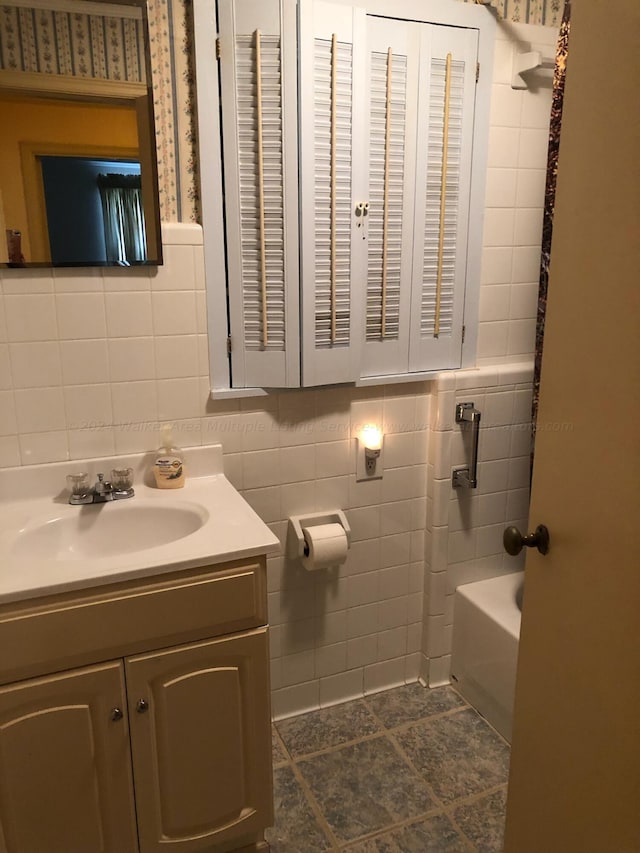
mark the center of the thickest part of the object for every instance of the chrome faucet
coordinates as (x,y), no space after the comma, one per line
(103,490)
(116,489)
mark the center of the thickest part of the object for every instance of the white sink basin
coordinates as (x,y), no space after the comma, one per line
(48,546)
(106,530)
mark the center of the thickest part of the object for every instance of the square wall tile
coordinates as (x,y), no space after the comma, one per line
(526,264)
(504,143)
(40,410)
(341,687)
(383,675)
(179,398)
(506,106)
(38,448)
(131,358)
(362,651)
(531,187)
(501,187)
(335,458)
(177,271)
(177,356)
(134,403)
(80,315)
(528,226)
(91,443)
(261,468)
(499,226)
(494,302)
(174,313)
(533,149)
(84,362)
(493,339)
(287,701)
(496,265)
(524,301)
(536,109)
(522,335)
(30,317)
(128,314)
(35,364)
(401,449)
(88,406)
(399,414)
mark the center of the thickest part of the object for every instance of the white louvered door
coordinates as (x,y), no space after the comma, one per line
(332,183)
(259,137)
(393,54)
(443,178)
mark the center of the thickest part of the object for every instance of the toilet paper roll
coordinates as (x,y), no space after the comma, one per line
(325,545)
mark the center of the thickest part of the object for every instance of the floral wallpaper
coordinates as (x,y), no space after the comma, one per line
(545,12)
(61,41)
(108,47)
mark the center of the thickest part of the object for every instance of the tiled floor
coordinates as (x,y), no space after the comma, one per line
(410,770)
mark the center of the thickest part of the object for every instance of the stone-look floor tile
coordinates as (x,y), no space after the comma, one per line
(296,827)
(327,727)
(483,821)
(458,755)
(365,787)
(435,835)
(411,703)
(278,754)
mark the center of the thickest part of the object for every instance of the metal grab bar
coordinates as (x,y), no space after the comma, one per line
(467,478)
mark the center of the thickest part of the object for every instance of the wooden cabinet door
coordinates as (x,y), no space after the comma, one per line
(201,743)
(65,764)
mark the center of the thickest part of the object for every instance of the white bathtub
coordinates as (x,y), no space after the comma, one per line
(486,630)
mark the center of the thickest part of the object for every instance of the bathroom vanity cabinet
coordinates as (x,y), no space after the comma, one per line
(135,717)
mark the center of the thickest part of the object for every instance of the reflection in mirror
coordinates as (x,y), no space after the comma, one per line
(78,172)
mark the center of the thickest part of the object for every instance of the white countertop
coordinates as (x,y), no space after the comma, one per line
(33,496)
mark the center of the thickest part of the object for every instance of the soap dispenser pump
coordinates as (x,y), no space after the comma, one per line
(168,468)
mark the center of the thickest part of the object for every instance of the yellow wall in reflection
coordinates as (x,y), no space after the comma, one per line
(82,126)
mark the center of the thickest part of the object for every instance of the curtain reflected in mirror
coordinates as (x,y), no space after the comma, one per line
(123,219)
(79,109)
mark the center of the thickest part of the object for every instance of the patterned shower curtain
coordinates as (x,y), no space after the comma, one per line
(549,202)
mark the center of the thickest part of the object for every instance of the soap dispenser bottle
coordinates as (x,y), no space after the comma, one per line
(168,468)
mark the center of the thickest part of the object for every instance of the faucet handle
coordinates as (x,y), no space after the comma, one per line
(78,484)
(122,478)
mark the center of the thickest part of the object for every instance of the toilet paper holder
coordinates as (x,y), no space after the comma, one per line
(295,536)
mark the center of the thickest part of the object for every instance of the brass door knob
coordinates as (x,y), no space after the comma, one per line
(514,541)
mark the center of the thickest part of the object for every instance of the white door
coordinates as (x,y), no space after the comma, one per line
(575,770)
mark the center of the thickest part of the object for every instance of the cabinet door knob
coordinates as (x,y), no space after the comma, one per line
(116,714)
(142,706)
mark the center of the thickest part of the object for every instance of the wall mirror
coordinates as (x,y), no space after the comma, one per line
(78,169)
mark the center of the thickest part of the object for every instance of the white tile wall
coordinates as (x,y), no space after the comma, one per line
(91,360)
(464,527)
(514,199)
